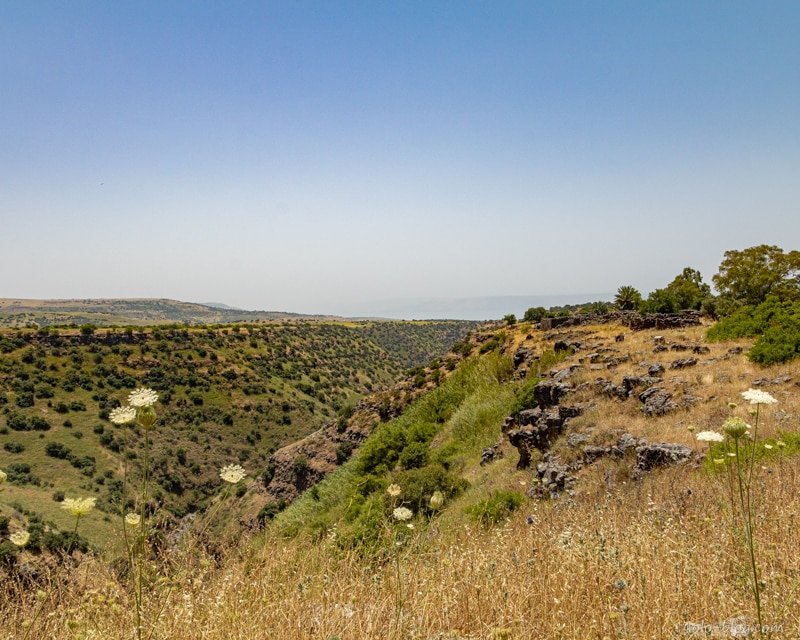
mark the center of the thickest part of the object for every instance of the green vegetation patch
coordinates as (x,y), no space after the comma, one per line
(775,323)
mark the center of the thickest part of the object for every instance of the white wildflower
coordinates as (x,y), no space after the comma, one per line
(122,415)
(133,519)
(142,397)
(20,538)
(402,513)
(393,490)
(78,506)
(710,436)
(232,473)
(756,396)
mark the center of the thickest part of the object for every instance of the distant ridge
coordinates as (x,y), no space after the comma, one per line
(20,312)
(219,305)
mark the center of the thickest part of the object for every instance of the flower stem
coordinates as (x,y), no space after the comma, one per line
(747,516)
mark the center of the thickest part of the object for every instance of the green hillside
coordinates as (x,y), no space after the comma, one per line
(227,394)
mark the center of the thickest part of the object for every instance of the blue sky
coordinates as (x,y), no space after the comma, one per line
(364,157)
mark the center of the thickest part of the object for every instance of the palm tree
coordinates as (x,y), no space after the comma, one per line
(627,298)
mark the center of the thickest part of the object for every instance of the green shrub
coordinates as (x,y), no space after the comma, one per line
(19,473)
(491,344)
(57,450)
(776,325)
(39,424)
(496,508)
(414,456)
(343,452)
(270,510)
(776,345)
(24,399)
(524,398)
(8,553)
(418,485)
(299,467)
(382,449)
(463,348)
(534,314)
(14,447)
(44,391)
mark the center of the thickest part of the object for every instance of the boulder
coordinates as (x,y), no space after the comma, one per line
(657,401)
(655,369)
(659,454)
(537,429)
(683,363)
(548,393)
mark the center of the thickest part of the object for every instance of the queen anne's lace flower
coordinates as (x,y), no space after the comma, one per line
(437,500)
(20,538)
(232,473)
(756,396)
(735,427)
(142,397)
(3,478)
(122,415)
(133,519)
(402,513)
(78,506)
(710,436)
(393,490)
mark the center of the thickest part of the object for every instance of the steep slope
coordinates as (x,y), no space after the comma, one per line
(576,410)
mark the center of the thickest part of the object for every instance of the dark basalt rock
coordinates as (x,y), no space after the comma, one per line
(522,356)
(548,393)
(632,382)
(683,363)
(490,454)
(657,401)
(655,369)
(537,429)
(650,456)
(577,439)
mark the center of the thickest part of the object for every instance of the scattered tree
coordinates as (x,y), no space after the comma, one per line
(627,298)
(749,276)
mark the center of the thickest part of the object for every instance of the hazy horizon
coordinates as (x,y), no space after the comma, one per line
(476,308)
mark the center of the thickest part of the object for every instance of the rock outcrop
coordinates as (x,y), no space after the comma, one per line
(537,429)
(659,454)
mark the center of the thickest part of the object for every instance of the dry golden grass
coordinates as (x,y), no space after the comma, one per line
(636,563)
(624,558)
